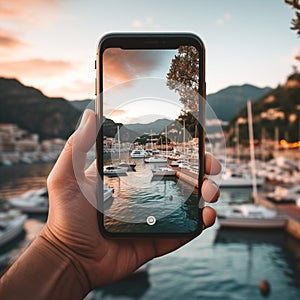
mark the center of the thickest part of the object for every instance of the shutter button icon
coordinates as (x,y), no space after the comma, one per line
(151,220)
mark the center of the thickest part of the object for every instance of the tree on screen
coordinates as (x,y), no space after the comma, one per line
(183,76)
(295,22)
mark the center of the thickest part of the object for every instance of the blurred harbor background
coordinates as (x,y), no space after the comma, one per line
(219,264)
(253,55)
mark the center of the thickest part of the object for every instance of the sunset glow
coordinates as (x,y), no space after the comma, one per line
(51,44)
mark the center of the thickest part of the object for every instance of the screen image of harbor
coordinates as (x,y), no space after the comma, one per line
(141,193)
(151,143)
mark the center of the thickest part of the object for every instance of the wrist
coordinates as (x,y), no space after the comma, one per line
(65,258)
(44,271)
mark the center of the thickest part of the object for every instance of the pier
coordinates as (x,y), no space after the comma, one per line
(187,176)
(291,211)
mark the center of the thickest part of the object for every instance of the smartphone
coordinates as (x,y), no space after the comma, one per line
(150,107)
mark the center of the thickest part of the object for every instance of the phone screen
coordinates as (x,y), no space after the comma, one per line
(152,140)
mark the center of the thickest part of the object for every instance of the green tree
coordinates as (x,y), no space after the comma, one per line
(295,22)
(183,76)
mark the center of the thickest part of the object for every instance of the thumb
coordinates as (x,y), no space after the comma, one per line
(73,156)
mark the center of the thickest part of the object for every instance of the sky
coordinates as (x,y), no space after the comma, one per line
(51,44)
(135,85)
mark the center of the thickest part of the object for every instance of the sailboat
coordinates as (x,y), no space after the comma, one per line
(250,216)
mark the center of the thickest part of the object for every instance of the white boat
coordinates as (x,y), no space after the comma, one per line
(108,192)
(284,195)
(155,151)
(128,165)
(155,159)
(113,170)
(185,165)
(251,216)
(239,179)
(33,201)
(164,172)
(11,225)
(177,162)
(139,154)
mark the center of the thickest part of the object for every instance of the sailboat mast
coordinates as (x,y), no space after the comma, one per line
(252,154)
(237,134)
(119,144)
(166,140)
(184,137)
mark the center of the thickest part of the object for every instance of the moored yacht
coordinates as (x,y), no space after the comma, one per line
(251,216)
(114,170)
(138,153)
(11,225)
(164,172)
(155,159)
(33,201)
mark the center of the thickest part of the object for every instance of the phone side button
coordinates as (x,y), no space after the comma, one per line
(95,86)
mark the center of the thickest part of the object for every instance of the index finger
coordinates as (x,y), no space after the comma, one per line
(212,165)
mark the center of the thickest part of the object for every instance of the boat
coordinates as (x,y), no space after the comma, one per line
(138,154)
(251,216)
(184,165)
(33,201)
(11,225)
(155,159)
(284,195)
(155,151)
(238,179)
(108,192)
(128,165)
(114,170)
(177,162)
(164,172)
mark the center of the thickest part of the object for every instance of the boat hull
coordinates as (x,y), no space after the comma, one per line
(31,209)
(13,232)
(251,223)
(239,183)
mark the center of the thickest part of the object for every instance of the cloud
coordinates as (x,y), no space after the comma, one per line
(118,112)
(224,19)
(34,68)
(123,65)
(147,23)
(8,41)
(73,90)
(137,24)
(26,10)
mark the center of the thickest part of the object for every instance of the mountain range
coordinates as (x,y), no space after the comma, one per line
(50,117)
(279,108)
(227,102)
(30,109)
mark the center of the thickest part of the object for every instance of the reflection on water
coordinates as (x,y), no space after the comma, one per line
(219,264)
(132,287)
(136,196)
(18,179)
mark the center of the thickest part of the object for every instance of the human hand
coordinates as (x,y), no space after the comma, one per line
(72,221)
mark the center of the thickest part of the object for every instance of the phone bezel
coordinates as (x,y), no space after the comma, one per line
(148,41)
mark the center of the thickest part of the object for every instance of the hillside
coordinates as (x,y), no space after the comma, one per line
(227,102)
(110,129)
(279,108)
(30,109)
(81,105)
(49,117)
(156,126)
